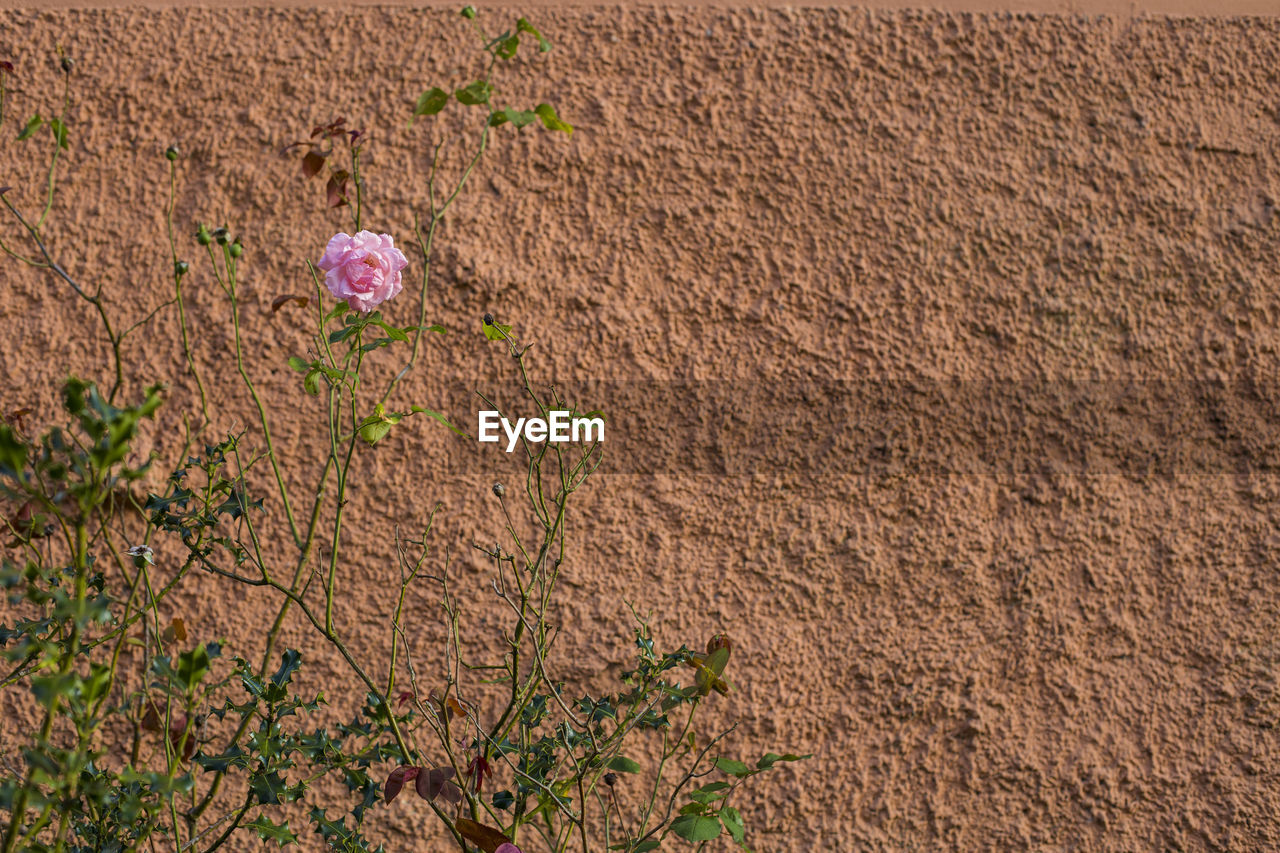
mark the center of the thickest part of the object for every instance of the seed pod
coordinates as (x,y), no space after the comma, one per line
(202,236)
(236,249)
(488,319)
(499,489)
(610,779)
(67,64)
(180,268)
(171,153)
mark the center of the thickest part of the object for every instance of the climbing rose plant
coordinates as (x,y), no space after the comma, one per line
(146,736)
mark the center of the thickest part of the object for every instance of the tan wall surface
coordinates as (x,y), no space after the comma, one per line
(1032,652)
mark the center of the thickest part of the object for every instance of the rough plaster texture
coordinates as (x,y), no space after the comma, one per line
(1033,652)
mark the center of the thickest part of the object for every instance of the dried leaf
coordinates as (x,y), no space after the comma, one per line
(280,301)
(484,837)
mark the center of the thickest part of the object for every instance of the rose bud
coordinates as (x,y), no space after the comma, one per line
(719,641)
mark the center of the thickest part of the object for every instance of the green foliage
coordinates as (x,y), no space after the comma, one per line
(153,739)
(30,128)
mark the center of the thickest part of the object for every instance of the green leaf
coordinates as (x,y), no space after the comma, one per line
(475,94)
(392,332)
(311,382)
(646,846)
(431,102)
(298,364)
(733,823)
(497,332)
(441,418)
(696,827)
(550,120)
(13,453)
(59,132)
(772,758)
(375,431)
(506,45)
(623,764)
(342,334)
(49,688)
(518,118)
(524,26)
(733,768)
(268,831)
(290,662)
(32,126)
(193,666)
(98,682)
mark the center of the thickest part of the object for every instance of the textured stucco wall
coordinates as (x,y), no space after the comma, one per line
(1036,650)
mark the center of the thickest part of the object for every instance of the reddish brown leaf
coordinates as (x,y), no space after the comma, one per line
(449,705)
(431,783)
(395,782)
(280,301)
(312,163)
(336,189)
(17,416)
(484,837)
(476,771)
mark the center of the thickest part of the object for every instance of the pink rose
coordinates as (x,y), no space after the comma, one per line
(364,269)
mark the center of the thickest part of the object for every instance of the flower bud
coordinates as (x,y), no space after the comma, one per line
(171,153)
(236,249)
(499,489)
(202,236)
(719,641)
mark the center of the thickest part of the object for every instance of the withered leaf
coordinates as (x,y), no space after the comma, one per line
(280,301)
(486,838)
